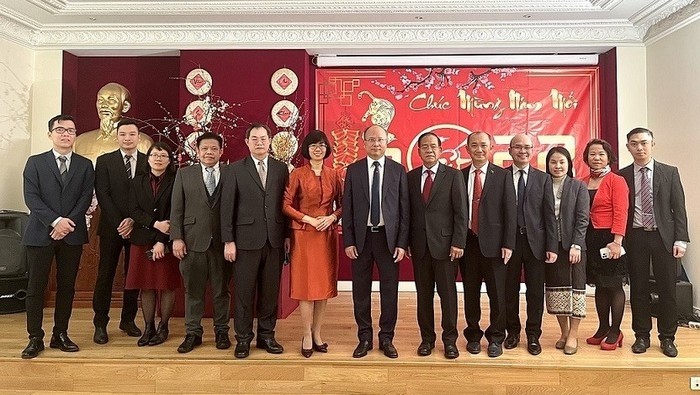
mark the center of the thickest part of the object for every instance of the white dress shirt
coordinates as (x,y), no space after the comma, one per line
(132,162)
(370,174)
(516,178)
(470,186)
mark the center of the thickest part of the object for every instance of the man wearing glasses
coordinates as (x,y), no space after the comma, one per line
(536,243)
(113,173)
(57,190)
(375,229)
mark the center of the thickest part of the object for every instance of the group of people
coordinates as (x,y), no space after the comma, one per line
(208,224)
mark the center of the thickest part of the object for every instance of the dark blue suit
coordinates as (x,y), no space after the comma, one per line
(48,198)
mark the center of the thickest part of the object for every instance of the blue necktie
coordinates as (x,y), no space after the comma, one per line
(521,199)
(374,203)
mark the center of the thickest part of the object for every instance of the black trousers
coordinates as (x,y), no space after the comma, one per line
(110,248)
(67,264)
(256,270)
(475,267)
(375,250)
(523,258)
(429,272)
(198,269)
(642,247)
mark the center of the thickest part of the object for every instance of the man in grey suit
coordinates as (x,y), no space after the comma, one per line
(375,229)
(536,242)
(57,190)
(253,229)
(490,243)
(657,231)
(195,230)
(438,199)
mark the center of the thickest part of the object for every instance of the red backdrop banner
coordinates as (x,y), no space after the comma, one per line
(556,106)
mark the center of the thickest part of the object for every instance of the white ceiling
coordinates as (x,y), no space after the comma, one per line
(343,26)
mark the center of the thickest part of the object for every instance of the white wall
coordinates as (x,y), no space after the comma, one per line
(16,78)
(631,95)
(673,103)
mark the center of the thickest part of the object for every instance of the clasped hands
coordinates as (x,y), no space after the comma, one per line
(320,223)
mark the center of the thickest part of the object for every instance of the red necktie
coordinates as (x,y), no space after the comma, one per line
(476,197)
(427,186)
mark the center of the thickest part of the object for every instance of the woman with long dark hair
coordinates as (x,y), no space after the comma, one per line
(565,291)
(153,268)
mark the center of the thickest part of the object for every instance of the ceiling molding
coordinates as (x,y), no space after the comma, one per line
(314,6)
(17,28)
(311,36)
(673,22)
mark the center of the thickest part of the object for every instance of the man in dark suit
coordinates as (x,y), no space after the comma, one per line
(113,174)
(438,232)
(57,190)
(536,242)
(657,231)
(253,229)
(375,229)
(490,243)
(195,230)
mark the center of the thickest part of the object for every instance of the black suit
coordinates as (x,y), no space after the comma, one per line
(375,246)
(251,216)
(48,198)
(437,225)
(145,209)
(482,259)
(656,245)
(533,238)
(112,189)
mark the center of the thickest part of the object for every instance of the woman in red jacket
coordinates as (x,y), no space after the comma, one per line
(607,271)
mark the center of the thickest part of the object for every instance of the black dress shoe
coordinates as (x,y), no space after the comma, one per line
(100,336)
(640,345)
(63,343)
(320,347)
(161,335)
(495,350)
(148,332)
(473,347)
(668,348)
(451,351)
(33,349)
(190,342)
(362,348)
(533,346)
(389,349)
(425,348)
(130,328)
(242,349)
(222,341)
(270,345)
(306,352)
(511,341)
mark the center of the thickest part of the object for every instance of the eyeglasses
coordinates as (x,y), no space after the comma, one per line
(317,146)
(62,130)
(521,147)
(159,156)
(373,140)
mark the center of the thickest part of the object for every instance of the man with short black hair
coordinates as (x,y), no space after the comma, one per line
(57,190)
(113,174)
(657,231)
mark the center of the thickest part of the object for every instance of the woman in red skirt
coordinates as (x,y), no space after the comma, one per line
(153,267)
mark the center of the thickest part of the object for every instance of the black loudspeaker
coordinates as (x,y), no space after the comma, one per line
(13,291)
(13,256)
(684,298)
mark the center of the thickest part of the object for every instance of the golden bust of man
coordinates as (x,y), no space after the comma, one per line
(113,100)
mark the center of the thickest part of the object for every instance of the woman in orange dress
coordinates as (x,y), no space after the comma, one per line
(312,200)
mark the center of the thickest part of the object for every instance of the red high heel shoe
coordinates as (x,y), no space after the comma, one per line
(596,340)
(611,347)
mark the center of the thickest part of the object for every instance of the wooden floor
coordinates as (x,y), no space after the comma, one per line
(122,367)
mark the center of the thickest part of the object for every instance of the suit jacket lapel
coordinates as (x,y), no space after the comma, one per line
(200,182)
(364,180)
(252,169)
(487,182)
(439,177)
(167,181)
(53,165)
(141,163)
(659,178)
